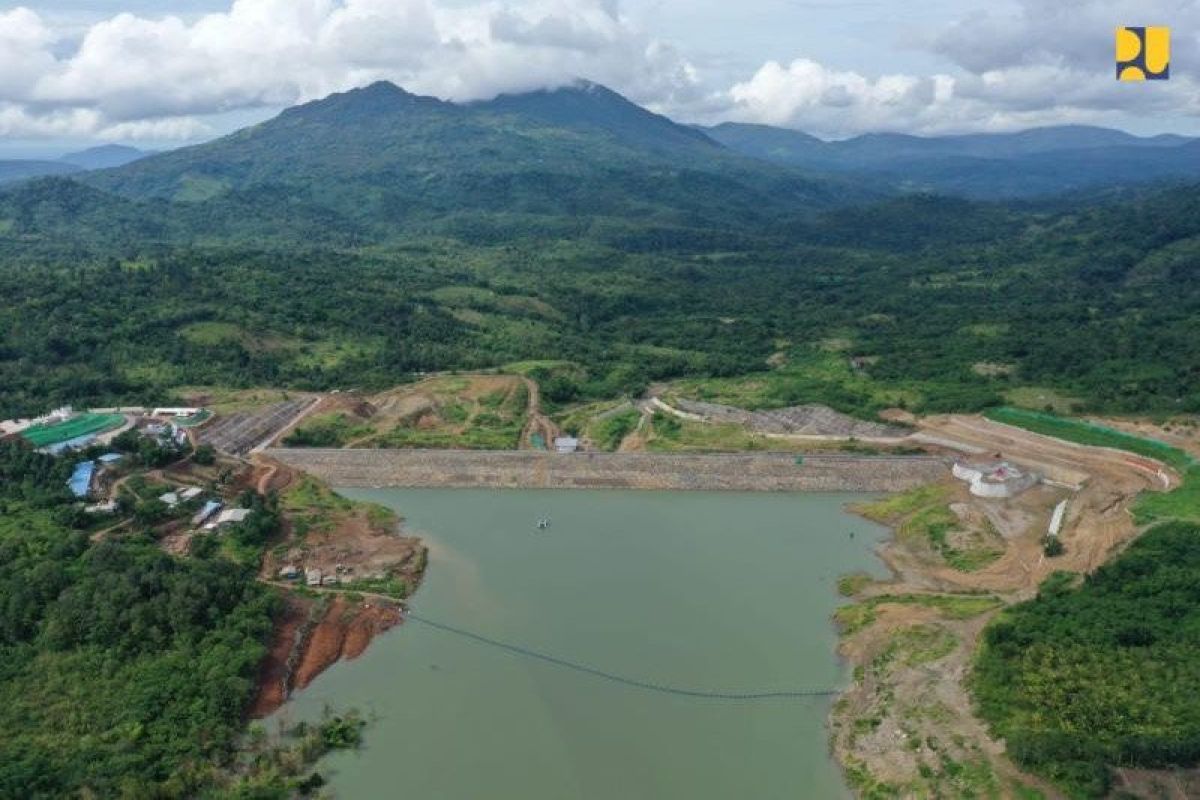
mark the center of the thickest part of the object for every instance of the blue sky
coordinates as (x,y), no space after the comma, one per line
(75,73)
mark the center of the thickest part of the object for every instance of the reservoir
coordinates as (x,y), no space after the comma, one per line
(608,655)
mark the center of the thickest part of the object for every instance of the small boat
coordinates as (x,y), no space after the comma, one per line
(543,523)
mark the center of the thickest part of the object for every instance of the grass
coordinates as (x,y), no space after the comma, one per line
(851,619)
(337,429)
(850,585)
(1037,398)
(811,375)
(80,425)
(608,433)
(1080,432)
(922,516)
(898,506)
(916,645)
(1181,503)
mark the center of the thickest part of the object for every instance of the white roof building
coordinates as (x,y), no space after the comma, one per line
(231,516)
(566,444)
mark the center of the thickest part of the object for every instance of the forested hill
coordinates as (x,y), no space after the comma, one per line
(389,160)
(1037,162)
(364,237)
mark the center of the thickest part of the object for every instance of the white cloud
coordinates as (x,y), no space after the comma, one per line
(154,77)
(1045,63)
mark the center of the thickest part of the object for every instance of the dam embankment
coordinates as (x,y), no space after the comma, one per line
(767,472)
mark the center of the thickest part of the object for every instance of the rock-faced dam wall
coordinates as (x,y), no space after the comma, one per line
(767,472)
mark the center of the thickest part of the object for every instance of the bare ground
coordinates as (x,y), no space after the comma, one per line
(906,724)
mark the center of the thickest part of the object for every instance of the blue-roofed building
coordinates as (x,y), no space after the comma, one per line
(81,480)
(78,443)
(210,508)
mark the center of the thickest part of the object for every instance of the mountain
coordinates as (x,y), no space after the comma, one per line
(586,106)
(20,169)
(387,158)
(985,166)
(104,156)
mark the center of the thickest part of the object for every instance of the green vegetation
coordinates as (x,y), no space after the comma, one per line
(329,430)
(125,672)
(1081,432)
(852,618)
(850,585)
(1181,503)
(924,519)
(80,425)
(916,645)
(609,432)
(1095,675)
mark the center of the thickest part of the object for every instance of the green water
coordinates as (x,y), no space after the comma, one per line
(701,591)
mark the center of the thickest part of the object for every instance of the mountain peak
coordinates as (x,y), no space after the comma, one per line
(583,104)
(380,98)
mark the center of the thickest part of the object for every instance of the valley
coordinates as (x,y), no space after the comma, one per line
(711,343)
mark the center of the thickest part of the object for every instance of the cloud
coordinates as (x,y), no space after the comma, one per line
(133,76)
(1044,63)
(145,76)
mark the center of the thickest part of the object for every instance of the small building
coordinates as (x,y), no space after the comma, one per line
(80,482)
(191,494)
(231,516)
(102,508)
(289,573)
(566,444)
(994,478)
(312,577)
(206,512)
(11,427)
(170,498)
(108,459)
(329,580)
(174,412)
(78,443)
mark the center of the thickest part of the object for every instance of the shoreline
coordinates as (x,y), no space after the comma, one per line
(521,469)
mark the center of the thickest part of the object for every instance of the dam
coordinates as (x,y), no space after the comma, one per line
(525,469)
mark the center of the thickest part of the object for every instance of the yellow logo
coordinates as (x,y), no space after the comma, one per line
(1143,54)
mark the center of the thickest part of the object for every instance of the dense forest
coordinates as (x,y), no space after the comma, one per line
(360,239)
(1102,674)
(123,671)
(955,302)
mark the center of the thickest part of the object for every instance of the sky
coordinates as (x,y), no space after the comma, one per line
(75,73)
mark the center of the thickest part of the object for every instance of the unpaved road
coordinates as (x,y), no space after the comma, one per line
(909,708)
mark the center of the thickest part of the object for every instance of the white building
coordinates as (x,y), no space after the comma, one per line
(169,411)
(994,478)
(566,444)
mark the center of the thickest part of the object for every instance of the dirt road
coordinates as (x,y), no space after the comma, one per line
(909,713)
(535,421)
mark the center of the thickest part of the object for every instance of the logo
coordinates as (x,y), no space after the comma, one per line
(1143,54)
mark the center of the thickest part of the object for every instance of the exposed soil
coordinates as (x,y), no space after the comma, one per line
(351,543)
(907,720)
(311,636)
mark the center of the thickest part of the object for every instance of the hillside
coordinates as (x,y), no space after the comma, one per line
(1036,162)
(393,160)
(361,238)
(19,169)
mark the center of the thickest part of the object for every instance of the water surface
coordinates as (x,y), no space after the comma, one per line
(718,592)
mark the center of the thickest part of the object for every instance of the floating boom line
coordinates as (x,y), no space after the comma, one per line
(621,679)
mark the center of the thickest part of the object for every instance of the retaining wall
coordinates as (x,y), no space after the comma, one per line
(529,469)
